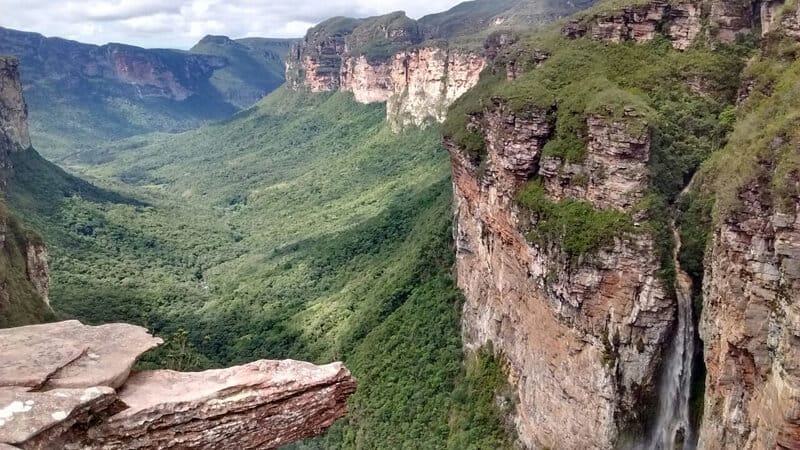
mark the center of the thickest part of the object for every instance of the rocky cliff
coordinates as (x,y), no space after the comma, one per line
(582,336)
(751,328)
(406,63)
(599,340)
(382,60)
(23,257)
(750,325)
(67,385)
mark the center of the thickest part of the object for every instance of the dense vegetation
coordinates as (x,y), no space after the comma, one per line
(19,301)
(576,226)
(302,228)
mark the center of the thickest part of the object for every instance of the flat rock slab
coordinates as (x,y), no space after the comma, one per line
(25,415)
(71,355)
(265,404)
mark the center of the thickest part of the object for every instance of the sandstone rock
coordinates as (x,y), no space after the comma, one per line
(265,404)
(70,354)
(731,18)
(679,21)
(418,85)
(582,339)
(751,329)
(43,420)
(427,81)
(13,111)
(37,269)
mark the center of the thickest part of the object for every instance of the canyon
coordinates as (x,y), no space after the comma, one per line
(573,157)
(68,385)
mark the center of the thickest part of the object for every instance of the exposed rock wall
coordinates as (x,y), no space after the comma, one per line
(582,338)
(13,112)
(418,85)
(418,82)
(679,21)
(67,385)
(25,282)
(751,328)
(36,268)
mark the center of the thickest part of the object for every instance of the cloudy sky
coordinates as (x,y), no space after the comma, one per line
(181,23)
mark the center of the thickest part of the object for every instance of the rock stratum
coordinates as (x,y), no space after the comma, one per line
(582,340)
(68,385)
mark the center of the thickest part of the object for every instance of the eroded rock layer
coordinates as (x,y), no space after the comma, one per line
(58,381)
(751,328)
(418,82)
(582,337)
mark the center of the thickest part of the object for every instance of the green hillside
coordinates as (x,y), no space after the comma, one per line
(255,66)
(302,228)
(80,95)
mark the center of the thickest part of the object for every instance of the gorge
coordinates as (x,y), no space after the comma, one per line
(575,235)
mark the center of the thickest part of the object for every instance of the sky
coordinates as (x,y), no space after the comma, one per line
(181,23)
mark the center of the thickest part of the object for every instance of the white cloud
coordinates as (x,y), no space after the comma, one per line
(180,23)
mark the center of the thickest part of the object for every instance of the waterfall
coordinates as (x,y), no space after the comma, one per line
(672,429)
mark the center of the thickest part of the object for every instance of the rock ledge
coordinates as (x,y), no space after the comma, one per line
(68,385)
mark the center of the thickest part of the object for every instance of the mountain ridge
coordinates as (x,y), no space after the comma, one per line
(117,90)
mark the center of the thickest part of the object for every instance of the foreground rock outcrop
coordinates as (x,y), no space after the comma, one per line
(68,385)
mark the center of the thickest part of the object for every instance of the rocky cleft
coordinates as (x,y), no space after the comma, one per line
(582,337)
(68,385)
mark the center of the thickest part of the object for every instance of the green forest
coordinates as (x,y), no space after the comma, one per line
(301,228)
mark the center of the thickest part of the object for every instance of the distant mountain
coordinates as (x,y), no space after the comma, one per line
(81,94)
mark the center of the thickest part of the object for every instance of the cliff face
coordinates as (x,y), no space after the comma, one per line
(66,385)
(590,339)
(13,111)
(418,82)
(582,337)
(750,325)
(751,328)
(678,21)
(24,283)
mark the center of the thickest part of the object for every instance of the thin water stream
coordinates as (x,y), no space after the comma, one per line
(672,430)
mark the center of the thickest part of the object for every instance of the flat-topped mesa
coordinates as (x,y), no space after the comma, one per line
(582,336)
(68,385)
(383,59)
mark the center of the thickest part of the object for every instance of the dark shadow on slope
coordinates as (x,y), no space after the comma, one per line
(39,186)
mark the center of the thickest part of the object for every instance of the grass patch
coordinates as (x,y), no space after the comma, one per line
(575,225)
